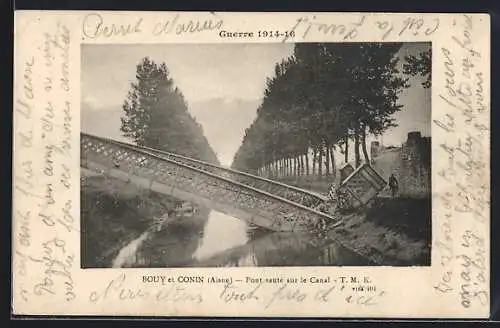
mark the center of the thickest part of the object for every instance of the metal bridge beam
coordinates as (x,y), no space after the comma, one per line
(209,189)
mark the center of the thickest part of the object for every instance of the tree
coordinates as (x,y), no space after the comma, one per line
(420,65)
(372,84)
(320,98)
(141,99)
(156,115)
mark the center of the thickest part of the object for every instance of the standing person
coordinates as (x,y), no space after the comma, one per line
(393,184)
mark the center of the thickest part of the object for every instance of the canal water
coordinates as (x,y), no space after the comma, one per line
(213,239)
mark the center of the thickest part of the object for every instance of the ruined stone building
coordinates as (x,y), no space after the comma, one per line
(410,163)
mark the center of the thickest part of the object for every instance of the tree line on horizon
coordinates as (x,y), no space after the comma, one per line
(319,99)
(323,97)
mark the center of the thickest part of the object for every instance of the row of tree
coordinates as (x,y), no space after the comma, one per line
(156,115)
(320,99)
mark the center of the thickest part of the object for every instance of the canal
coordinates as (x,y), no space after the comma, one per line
(213,239)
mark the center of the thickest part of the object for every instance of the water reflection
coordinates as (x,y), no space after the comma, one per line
(221,232)
(212,239)
(174,244)
(284,249)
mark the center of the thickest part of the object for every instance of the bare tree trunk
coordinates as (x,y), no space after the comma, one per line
(299,166)
(356,148)
(314,163)
(332,158)
(301,158)
(320,163)
(297,158)
(306,155)
(346,152)
(363,144)
(327,160)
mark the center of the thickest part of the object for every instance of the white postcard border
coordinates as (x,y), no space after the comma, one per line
(47,47)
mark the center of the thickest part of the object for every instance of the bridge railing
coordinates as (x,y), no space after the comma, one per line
(260,207)
(294,194)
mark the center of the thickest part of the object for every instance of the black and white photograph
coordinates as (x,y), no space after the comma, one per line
(255,155)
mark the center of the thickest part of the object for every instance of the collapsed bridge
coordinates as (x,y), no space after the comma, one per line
(256,200)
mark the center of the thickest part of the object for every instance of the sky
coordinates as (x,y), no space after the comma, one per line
(201,71)
(222,83)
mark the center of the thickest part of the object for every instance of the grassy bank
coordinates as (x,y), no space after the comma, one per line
(409,216)
(395,232)
(113,213)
